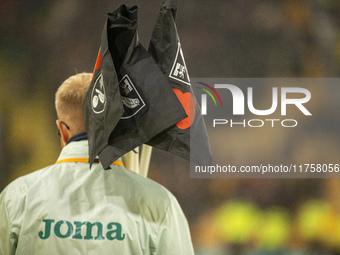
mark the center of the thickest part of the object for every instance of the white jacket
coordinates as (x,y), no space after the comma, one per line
(68,208)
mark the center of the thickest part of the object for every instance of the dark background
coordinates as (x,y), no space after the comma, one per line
(43,42)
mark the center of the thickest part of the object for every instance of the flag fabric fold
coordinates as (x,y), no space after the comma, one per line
(129,100)
(102,105)
(187,138)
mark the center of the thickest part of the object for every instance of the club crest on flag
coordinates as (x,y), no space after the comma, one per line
(98,96)
(131,99)
(179,70)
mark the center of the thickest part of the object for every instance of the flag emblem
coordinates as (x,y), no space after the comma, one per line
(131,99)
(179,70)
(98,101)
(188,102)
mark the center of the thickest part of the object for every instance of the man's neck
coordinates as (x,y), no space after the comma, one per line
(78,137)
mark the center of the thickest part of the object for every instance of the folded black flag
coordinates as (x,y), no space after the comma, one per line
(166,49)
(129,100)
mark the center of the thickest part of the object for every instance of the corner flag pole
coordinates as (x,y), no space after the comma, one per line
(145,160)
(139,166)
(130,160)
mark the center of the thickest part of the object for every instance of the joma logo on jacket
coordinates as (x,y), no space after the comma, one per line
(65,229)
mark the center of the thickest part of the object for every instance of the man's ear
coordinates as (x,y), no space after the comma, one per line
(64,133)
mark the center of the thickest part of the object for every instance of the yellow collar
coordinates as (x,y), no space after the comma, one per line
(84,160)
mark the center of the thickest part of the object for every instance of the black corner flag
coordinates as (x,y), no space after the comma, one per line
(165,47)
(129,100)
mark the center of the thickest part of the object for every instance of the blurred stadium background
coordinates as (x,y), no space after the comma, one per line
(42,42)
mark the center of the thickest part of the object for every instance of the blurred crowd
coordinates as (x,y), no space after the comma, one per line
(241,227)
